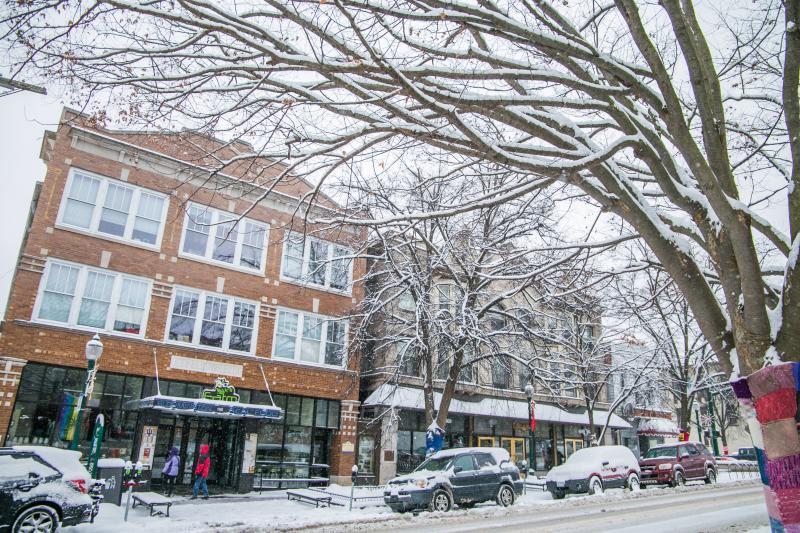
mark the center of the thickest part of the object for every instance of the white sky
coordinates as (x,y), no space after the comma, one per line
(24,117)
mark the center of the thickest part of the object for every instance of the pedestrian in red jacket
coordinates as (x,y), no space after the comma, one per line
(201,473)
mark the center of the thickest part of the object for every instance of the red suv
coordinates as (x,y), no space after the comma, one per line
(675,464)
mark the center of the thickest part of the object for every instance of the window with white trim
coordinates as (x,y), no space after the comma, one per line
(316,262)
(224,238)
(111,208)
(212,320)
(94,298)
(310,338)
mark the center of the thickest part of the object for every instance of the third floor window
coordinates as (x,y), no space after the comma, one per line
(111,208)
(316,262)
(224,238)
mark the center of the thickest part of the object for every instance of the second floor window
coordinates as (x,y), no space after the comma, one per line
(111,208)
(212,320)
(316,262)
(93,298)
(310,338)
(224,238)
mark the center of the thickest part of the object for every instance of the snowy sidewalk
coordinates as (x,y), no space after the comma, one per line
(273,512)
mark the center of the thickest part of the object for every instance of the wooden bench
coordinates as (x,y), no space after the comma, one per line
(152,501)
(319,499)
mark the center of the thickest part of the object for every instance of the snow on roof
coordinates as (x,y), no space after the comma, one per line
(411,398)
(657,427)
(499,454)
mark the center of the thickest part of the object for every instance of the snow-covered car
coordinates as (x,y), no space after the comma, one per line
(676,463)
(461,476)
(42,488)
(592,470)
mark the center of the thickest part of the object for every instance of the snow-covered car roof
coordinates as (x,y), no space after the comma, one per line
(499,454)
(68,462)
(673,444)
(601,453)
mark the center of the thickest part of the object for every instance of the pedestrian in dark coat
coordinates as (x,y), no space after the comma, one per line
(170,471)
(201,471)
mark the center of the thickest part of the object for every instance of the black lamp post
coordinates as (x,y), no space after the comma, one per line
(531,442)
(94,349)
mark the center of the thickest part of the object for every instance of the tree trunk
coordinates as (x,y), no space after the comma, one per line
(769,404)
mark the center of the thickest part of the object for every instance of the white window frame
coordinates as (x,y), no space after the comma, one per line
(304,278)
(98,210)
(80,287)
(226,335)
(217,216)
(298,338)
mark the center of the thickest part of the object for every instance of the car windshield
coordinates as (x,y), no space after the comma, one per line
(435,464)
(661,452)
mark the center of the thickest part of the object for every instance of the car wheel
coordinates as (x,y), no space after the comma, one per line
(441,501)
(559,494)
(633,483)
(711,476)
(595,486)
(505,496)
(679,479)
(37,519)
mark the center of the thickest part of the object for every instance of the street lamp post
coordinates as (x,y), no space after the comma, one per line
(531,442)
(710,400)
(94,349)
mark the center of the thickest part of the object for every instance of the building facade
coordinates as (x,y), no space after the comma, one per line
(490,406)
(219,311)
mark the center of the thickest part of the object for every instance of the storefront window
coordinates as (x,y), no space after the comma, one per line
(307,412)
(366,452)
(298,445)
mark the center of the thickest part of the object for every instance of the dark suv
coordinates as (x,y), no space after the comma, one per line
(462,476)
(675,464)
(41,488)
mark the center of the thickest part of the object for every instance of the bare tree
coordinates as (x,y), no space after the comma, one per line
(442,289)
(681,137)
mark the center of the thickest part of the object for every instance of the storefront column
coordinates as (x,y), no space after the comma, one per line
(10,373)
(343,454)
(387,466)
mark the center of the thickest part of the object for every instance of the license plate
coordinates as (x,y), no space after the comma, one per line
(561,484)
(392,498)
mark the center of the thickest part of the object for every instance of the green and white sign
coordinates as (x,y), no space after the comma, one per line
(94,450)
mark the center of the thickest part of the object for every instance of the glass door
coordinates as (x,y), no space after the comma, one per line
(573,445)
(515,448)
(485,442)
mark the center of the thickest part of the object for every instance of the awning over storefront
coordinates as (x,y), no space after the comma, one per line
(205,407)
(657,427)
(410,398)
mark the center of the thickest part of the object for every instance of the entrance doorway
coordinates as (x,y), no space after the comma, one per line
(515,448)
(485,442)
(188,433)
(572,445)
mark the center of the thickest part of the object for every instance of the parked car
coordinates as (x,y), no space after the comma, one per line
(42,488)
(592,470)
(747,454)
(461,476)
(675,464)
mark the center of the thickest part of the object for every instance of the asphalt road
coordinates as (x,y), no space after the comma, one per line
(717,509)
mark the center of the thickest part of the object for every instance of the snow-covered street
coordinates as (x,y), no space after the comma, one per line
(732,505)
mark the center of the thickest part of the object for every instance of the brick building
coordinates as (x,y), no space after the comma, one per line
(188,276)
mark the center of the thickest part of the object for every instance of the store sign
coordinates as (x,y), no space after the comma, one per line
(97,439)
(222,392)
(148,445)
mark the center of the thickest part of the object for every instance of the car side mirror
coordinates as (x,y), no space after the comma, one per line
(684,455)
(457,469)
(605,463)
(33,478)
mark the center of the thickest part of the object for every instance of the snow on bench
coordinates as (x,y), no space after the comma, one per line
(317,497)
(152,500)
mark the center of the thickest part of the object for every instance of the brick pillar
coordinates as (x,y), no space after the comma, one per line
(343,452)
(10,374)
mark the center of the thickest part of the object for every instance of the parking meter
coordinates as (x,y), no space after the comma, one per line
(353,477)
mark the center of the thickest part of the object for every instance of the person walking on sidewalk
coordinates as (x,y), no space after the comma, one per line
(201,471)
(170,471)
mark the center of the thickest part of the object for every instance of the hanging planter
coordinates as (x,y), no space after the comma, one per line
(769,399)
